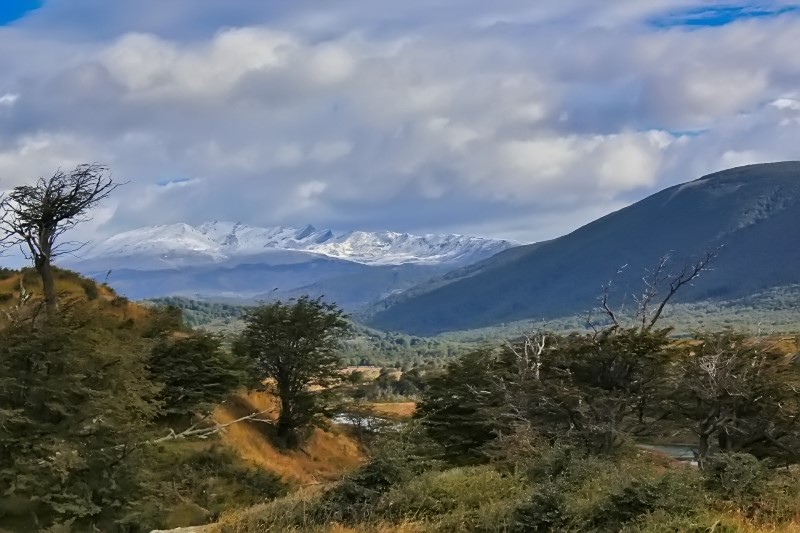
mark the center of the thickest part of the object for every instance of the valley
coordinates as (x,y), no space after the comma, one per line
(294,413)
(460,266)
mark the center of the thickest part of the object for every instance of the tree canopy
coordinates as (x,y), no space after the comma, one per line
(37,216)
(294,346)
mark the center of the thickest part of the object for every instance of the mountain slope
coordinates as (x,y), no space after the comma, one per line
(753,212)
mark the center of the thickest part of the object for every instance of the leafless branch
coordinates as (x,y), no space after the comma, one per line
(689,273)
(202,433)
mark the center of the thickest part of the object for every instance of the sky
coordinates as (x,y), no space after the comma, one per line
(511,118)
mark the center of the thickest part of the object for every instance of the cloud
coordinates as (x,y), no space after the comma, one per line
(8,99)
(467,116)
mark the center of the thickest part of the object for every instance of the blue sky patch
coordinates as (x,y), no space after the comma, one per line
(11,10)
(688,133)
(719,16)
(173,181)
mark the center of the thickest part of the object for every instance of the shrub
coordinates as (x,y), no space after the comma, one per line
(120,301)
(30,277)
(357,494)
(546,510)
(216,479)
(736,476)
(90,288)
(182,486)
(438,493)
(746,485)
(677,493)
(400,456)
(291,513)
(356,377)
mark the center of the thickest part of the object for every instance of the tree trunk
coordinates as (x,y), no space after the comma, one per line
(724,440)
(702,452)
(287,425)
(45,271)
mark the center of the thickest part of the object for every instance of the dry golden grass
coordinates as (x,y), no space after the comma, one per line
(743,525)
(325,457)
(370,373)
(397,410)
(69,289)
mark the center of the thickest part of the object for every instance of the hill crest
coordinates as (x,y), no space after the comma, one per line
(751,211)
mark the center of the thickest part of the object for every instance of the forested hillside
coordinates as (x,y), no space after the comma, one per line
(363,346)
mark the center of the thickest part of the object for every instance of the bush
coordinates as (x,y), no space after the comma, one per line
(120,301)
(30,277)
(573,491)
(545,511)
(291,513)
(356,377)
(743,484)
(736,477)
(90,288)
(400,457)
(216,479)
(182,486)
(458,489)
(677,493)
(357,494)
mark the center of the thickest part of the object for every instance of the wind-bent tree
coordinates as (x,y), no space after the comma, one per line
(36,216)
(295,346)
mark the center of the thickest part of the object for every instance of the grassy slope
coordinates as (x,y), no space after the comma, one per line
(329,453)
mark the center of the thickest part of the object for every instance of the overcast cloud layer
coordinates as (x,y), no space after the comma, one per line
(507,118)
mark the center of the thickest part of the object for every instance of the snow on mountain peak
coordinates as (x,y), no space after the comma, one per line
(235,242)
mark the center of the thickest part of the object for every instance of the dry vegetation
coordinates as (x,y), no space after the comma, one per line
(326,456)
(396,410)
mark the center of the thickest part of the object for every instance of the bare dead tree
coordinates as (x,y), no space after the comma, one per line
(34,217)
(528,354)
(605,309)
(660,286)
(690,272)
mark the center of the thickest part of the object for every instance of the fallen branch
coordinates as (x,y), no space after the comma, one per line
(205,432)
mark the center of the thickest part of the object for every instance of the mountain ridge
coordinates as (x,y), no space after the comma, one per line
(754,211)
(220,242)
(234,261)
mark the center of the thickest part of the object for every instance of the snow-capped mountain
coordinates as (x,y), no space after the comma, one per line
(233,243)
(233,261)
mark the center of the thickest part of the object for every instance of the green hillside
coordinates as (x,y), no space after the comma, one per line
(751,214)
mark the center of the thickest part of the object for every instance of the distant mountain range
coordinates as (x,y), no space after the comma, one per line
(231,243)
(752,213)
(234,261)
